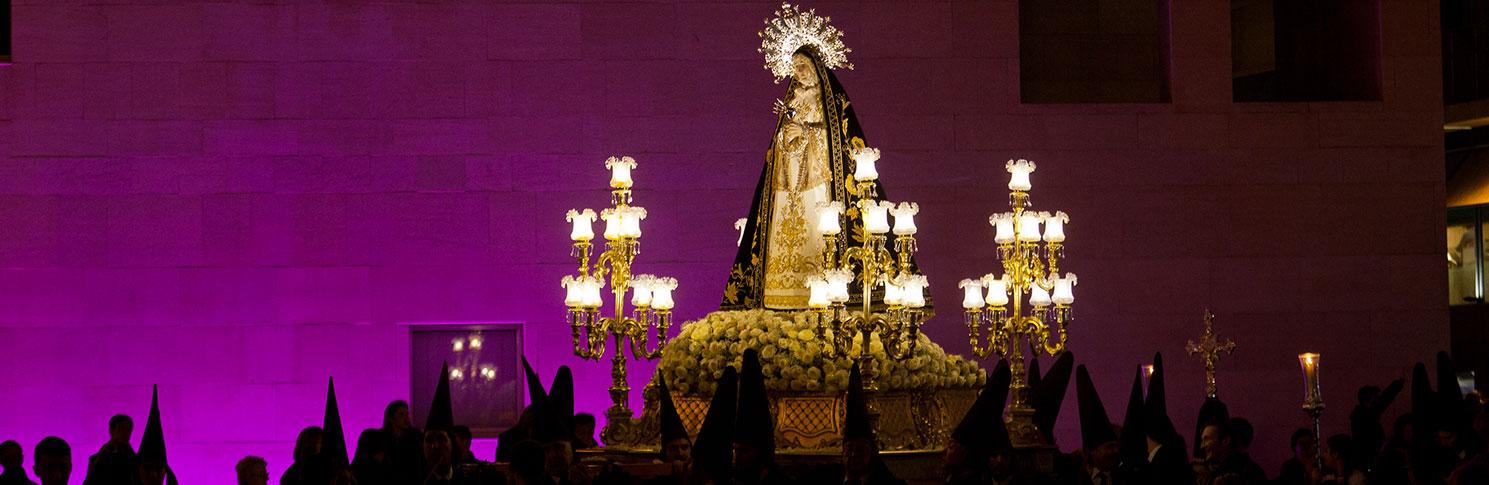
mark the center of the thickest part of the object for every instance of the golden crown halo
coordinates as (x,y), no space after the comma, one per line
(790,30)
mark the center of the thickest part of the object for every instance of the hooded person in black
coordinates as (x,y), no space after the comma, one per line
(152,467)
(1167,462)
(1098,439)
(674,448)
(332,459)
(754,428)
(981,435)
(1364,420)
(561,398)
(1049,395)
(1132,444)
(522,431)
(861,462)
(713,451)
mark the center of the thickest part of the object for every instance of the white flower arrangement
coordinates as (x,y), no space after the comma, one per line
(791,356)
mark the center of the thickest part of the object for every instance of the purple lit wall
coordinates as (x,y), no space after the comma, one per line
(235,201)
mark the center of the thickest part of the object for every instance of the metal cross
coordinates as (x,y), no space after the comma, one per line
(1209,348)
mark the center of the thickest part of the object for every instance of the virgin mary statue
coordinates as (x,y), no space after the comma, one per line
(808,163)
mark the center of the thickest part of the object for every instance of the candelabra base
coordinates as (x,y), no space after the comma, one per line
(1023,432)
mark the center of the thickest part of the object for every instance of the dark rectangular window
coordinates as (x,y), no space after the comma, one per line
(486,378)
(1094,51)
(4,31)
(1305,50)
(1465,50)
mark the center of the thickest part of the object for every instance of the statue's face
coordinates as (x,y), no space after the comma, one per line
(803,71)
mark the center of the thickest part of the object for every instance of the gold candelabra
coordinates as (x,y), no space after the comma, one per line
(1031,262)
(650,295)
(871,264)
(1313,401)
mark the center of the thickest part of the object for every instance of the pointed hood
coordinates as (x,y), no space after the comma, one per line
(441,413)
(152,441)
(1156,421)
(1212,412)
(1449,396)
(670,421)
(1423,402)
(753,424)
(713,450)
(333,439)
(1096,426)
(856,419)
(1049,395)
(982,429)
(535,393)
(1134,439)
(561,398)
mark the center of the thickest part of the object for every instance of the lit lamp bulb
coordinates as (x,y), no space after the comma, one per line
(828,215)
(1003,222)
(592,297)
(971,293)
(904,218)
(893,295)
(476,342)
(582,220)
(620,171)
(818,287)
(912,290)
(1029,226)
(864,167)
(876,216)
(1054,227)
(1312,391)
(837,284)
(573,291)
(1019,179)
(739,225)
(456,374)
(641,286)
(661,293)
(631,222)
(997,290)
(1064,293)
(1038,296)
(458,345)
(614,223)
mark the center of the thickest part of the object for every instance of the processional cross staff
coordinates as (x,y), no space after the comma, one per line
(1209,348)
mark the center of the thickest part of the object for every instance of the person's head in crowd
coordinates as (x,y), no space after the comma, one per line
(558,457)
(52,461)
(460,439)
(1241,433)
(437,448)
(1304,447)
(584,429)
(121,426)
(529,465)
(1105,457)
(308,443)
(1339,455)
(677,450)
(11,457)
(343,476)
(1401,430)
(396,417)
(371,448)
(1367,394)
(252,470)
(1212,443)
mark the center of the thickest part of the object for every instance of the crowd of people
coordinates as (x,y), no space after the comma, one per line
(1442,440)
